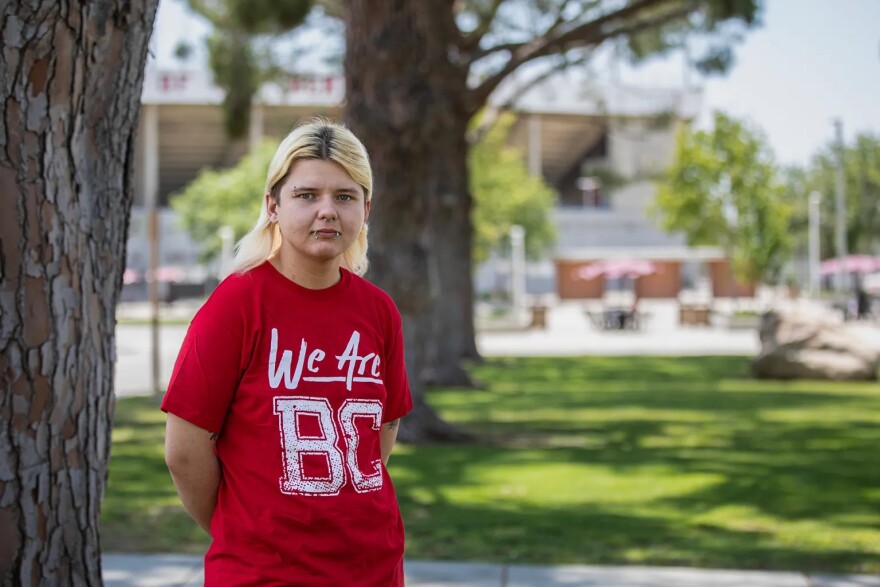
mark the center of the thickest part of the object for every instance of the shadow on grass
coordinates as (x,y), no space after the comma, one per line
(788,472)
(604,536)
(450,514)
(666,461)
(141,511)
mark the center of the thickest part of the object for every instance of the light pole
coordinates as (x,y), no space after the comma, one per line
(226,234)
(840,209)
(517,267)
(813,245)
(151,196)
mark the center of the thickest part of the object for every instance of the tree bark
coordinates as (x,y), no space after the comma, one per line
(451,230)
(403,98)
(70,82)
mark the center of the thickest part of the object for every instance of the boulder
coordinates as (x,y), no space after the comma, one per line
(810,345)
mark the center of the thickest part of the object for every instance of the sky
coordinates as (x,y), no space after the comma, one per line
(810,62)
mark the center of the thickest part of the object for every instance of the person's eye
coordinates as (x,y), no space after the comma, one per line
(304,195)
(344,198)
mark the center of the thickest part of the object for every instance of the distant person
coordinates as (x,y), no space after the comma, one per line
(633,318)
(863,304)
(284,403)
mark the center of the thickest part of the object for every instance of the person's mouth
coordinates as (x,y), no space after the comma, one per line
(326,233)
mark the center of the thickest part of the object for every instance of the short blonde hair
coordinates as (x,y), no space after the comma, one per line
(317,138)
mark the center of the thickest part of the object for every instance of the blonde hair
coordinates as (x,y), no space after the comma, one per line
(318,138)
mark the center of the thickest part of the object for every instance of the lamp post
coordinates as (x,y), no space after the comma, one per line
(151,196)
(813,244)
(517,267)
(226,234)
(840,209)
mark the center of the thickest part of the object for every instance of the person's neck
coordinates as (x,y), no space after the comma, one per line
(309,276)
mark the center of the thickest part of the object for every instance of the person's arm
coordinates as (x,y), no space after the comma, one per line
(189,454)
(387,437)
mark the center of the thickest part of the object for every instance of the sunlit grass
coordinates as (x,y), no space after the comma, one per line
(666,461)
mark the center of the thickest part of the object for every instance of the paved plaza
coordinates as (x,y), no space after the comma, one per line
(568,332)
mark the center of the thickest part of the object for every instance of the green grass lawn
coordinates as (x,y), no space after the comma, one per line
(625,460)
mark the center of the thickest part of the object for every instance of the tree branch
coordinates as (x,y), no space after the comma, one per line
(472,40)
(476,53)
(492,115)
(560,19)
(588,34)
(586,28)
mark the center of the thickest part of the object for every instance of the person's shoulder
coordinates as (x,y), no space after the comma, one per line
(369,291)
(234,289)
(371,295)
(238,283)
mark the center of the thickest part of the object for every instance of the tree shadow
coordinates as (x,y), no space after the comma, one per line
(782,455)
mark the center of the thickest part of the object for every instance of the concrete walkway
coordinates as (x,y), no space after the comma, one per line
(126,570)
(568,333)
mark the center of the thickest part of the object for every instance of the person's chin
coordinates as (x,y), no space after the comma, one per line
(326,251)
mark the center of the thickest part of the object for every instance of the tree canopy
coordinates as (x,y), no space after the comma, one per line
(505,193)
(240,49)
(862,195)
(227,197)
(723,190)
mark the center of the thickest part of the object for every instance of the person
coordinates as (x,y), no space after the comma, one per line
(284,403)
(632,318)
(863,304)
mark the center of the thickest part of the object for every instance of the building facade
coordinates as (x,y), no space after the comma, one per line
(600,148)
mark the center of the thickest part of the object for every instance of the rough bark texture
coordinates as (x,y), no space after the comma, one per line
(451,230)
(70,85)
(405,101)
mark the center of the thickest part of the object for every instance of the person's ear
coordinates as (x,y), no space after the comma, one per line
(367,205)
(271,208)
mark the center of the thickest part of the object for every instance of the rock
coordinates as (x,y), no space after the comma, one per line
(808,345)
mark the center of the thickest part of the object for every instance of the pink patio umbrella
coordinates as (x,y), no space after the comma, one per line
(850,264)
(614,268)
(170,273)
(130,276)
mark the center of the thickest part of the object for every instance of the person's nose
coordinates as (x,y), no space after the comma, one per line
(327,210)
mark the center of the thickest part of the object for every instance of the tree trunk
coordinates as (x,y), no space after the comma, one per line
(403,94)
(70,83)
(450,228)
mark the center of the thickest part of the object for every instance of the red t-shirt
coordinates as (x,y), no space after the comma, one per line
(296,383)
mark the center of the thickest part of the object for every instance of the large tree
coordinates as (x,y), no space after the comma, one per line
(416,73)
(723,190)
(70,85)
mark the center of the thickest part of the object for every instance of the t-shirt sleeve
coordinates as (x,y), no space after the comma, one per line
(208,368)
(398,401)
